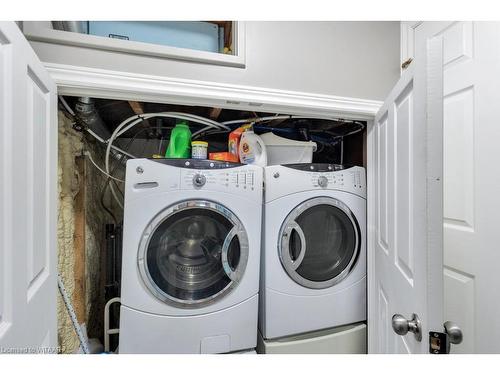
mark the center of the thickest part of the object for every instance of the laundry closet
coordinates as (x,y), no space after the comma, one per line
(194,252)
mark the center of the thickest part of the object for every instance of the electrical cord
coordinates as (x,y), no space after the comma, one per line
(286,117)
(103,192)
(133,120)
(127,147)
(87,153)
(211,127)
(71,114)
(93,134)
(65,104)
(104,188)
(109,181)
(130,122)
(268,118)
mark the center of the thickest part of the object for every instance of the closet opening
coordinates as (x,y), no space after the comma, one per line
(97,137)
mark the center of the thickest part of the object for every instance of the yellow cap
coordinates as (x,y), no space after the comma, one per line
(199,143)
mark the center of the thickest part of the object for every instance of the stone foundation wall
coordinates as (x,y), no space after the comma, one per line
(71,146)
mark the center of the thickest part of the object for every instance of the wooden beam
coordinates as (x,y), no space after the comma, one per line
(215,113)
(139,110)
(136,107)
(79,244)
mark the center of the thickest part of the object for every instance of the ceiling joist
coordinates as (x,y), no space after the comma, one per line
(215,113)
(139,110)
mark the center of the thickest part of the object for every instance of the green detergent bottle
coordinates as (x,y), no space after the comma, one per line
(180,142)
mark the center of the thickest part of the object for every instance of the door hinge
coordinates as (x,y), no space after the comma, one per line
(406,63)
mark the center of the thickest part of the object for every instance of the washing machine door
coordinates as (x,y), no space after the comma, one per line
(193,253)
(319,242)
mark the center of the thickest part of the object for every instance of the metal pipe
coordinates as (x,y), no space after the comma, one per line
(85,107)
(86,111)
(72,26)
(342,151)
(109,331)
(110,276)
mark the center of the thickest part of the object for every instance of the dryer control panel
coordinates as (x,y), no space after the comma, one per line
(288,179)
(342,179)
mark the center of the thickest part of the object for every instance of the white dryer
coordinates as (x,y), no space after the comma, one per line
(191,256)
(314,255)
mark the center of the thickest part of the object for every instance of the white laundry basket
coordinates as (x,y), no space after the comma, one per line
(287,151)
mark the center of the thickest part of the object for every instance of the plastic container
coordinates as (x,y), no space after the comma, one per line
(252,149)
(223,156)
(287,151)
(180,142)
(199,149)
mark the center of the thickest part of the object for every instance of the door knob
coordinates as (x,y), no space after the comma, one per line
(440,342)
(402,326)
(454,332)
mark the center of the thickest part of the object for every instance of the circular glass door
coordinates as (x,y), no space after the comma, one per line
(319,242)
(193,253)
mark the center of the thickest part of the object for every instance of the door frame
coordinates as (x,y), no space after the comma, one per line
(106,84)
(111,84)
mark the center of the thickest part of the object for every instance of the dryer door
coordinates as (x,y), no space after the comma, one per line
(319,242)
(193,253)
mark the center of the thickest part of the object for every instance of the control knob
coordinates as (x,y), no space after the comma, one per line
(199,180)
(322,181)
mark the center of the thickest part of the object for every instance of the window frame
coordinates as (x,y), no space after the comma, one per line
(43,32)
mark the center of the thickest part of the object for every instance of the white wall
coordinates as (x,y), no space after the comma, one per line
(353,59)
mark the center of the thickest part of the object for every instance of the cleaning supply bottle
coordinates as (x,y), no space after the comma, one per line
(180,142)
(233,145)
(252,149)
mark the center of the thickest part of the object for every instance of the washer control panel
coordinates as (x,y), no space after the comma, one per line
(150,176)
(197,163)
(231,180)
(323,181)
(199,180)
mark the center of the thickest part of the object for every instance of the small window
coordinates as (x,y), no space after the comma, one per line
(215,42)
(196,35)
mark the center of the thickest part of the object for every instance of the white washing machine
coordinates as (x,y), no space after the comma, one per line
(191,256)
(313,274)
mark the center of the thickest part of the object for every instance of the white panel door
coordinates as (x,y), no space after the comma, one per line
(405,261)
(471,70)
(28,198)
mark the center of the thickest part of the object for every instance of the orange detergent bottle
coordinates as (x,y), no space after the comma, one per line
(234,141)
